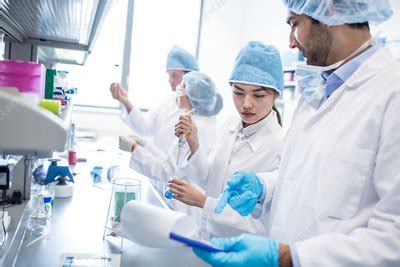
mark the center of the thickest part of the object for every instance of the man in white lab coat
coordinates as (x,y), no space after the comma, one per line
(158,124)
(335,200)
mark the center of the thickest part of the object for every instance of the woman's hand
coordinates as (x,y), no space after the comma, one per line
(187,127)
(186,193)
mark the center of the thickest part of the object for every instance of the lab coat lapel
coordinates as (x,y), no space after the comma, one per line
(265,133)
(226,155)
(317,114)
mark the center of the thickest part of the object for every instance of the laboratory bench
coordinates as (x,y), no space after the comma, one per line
(77,223)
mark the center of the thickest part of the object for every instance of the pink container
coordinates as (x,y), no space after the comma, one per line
(26,76)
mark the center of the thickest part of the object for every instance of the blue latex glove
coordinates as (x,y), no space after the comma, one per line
(242,193)
(244,250)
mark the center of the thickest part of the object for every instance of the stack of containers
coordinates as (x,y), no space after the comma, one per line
(29,78)
(26,76)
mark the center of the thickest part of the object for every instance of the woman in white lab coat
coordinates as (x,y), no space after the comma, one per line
(249,143)
(158,124)
(197,95)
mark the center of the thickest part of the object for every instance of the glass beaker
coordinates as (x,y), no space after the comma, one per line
(123,191)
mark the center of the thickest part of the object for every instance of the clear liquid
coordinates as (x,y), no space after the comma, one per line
(38,224)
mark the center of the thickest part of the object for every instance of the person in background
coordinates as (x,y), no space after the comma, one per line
(198,101)
(158,124)
(249,142)
(336,198)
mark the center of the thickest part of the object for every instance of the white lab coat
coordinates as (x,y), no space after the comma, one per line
(337,197)
(259,153)
(158,124)
(159,166)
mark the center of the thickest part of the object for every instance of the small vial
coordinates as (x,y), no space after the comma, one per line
(168,194)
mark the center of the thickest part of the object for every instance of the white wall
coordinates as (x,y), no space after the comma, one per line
(227,27)
(155,31)
(220,43)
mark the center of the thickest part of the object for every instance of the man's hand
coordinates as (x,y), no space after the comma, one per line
(119,93)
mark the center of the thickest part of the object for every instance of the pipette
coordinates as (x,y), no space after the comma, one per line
(181,142)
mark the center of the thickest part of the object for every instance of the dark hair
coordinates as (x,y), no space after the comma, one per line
(361,26)
(278,115)
(274,108)
(314,21)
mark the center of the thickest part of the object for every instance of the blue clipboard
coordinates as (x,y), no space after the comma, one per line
(194,243)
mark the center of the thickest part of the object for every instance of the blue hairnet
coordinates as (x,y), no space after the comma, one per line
(180,59)
(338,12)
(258,64)
(202,93)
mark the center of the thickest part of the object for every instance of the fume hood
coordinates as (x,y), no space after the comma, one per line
(54,27)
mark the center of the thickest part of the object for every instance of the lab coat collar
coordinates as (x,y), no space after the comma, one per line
(368,69)
(257,134)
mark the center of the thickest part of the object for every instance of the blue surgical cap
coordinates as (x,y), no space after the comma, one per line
(339,12)
(180,59)
(258,64)
(202,93)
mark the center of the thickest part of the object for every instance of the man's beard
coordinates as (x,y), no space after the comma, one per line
(317,46)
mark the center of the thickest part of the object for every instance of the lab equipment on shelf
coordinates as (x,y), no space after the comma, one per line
(26,76)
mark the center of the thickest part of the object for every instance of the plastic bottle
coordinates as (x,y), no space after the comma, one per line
(40,218)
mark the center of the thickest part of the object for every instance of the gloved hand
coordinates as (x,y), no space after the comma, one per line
(244,250)
(242,193)
(127,143)
(138,139)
